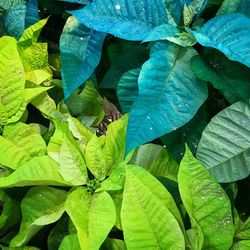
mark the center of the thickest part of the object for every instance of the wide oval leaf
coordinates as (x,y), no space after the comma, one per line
(224,147)
(228,33)
(93,216)
(41,206)
(169,94)
(206,203)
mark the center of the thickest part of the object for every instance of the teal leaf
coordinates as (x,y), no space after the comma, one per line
(170,33)
(224,147)
(81,50)
(126,19)
(169,94)
(14,20)
(32,15)
(228,33)
(233,6)
(127,89)
(173,9)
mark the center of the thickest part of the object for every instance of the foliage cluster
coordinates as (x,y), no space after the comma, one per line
(124,124)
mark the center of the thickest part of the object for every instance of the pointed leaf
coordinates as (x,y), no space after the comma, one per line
(72,165)
(228,33)
(41,206)
(142,198)
(93,216)
(129,20)
(225,144)
(83,46)
(38,171)
(206,203)
(169,94)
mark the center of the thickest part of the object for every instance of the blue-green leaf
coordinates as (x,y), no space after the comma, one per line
(228,33)
(80,53)
(32,15)
(127,89)
(169,94)
(127,19)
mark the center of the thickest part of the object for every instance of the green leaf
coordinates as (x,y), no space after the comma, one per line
(11,155)
(114,244)
(114,148)
(31,93)
(142,198)
(38,171)
(70,242)
(93,216)
(94,157)
(244,231)
(19,248)
(26,138)
(72,165)
(241,245)
(157,160)
(168,98)
(12,79)
(225,144)
(31,34)
(41,206)
(88,103)
(224,74)
(35,62)
(127,89)
(207,204)
(58,233)
(10,213)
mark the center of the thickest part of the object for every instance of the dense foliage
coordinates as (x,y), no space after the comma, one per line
(124,124)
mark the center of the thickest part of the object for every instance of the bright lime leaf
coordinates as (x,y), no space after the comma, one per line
(157,160)
(93,216)
(72,165)
(146,208)
(11,155)
(31,93)
(114,148)
(225,144)
(35,62)
(127,89)
(207,204)
(41,206)
(38,171)
(31,34)
(241,245)
(94,156)
(129,20)
(169,94)
(70,242)
(12,79)
(26,138)
(228,33)
(83,46)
